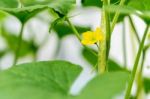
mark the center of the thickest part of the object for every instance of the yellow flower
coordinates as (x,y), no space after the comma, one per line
(91,37)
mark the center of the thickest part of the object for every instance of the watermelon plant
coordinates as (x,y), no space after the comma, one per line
(54,79)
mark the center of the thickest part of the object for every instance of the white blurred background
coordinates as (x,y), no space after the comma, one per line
(71,47)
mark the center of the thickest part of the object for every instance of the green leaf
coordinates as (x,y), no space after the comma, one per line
(114,66)
(63,29)
(140,8)
(143,6)
(28,47)
(2,15)
(99,3)
(92,59)
(62,6)
(146,85)
(2,53)
(8,3)
(32,7)
(40,80)
(96,3)
(120,9)
(89,57)
(23,14)
(55,22)
(105,86)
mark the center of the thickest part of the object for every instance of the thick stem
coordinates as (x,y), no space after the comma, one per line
(128,92)
(102,57)
(107,28)
(19,45)
(104,46)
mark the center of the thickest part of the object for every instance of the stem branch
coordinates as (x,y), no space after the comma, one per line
(19,45)
(115,19)
(78,36)
(139,75)
(134,29)
(128,92)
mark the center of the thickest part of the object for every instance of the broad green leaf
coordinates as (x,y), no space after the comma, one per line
(106,86)
(62,6)
(2,53)
(23,14)
(143,6)
(92,59)
(146,84)
(120,9)
(114,66)
(2,15)
(137,7)
(8,3)
(28,47)
(40,80)
(63,29)
(32,7)
(97,3)
(55,22)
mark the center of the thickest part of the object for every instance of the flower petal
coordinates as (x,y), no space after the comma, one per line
(90,37)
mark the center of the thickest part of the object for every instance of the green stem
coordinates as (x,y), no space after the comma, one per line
(104,46)
(128,92)
(124,44)
(132,35)
(21,3)
(139,76)
(78,36)
(107,29)
(74,29)
(19,45)
(57,49)
(102,57)
(139,79)
(134,29)
(115,19)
